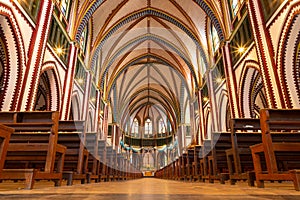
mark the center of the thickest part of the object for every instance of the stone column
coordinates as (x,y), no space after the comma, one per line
(212,102)
(68,83)
(266,55)
(230,82)
(200,135)
(86,99)
(35,56)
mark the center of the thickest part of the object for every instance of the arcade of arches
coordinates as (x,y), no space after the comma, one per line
(151,79)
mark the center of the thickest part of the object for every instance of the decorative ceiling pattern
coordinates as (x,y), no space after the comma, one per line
(149,56)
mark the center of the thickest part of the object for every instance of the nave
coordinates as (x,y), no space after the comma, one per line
(182,90)
(151,188)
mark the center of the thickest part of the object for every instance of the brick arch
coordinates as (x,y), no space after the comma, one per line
(250,87)
(75,110)
(204,5)
(223,110)
(208,124)
(13,51)
(89,122)
(288,58)
(43,94)
(50,69)
(47,95)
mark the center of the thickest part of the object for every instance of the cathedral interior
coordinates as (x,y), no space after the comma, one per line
(180,94)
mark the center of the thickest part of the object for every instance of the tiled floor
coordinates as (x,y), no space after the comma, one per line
(148,189)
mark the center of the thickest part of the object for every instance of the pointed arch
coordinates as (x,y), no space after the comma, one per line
(288,57)
(13,55)
(223,110)
(48,95)
(89,122)
(75,110)
(251,90)
(204,5)
(51,70)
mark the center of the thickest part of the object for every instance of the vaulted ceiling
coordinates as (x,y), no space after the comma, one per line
(150,56)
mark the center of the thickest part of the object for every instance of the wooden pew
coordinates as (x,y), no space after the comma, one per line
(126,166)
(173,177)
(278,148)
(121,170)
(5,133)
(111,163)
(94,158)
(189,164)
(33,150)
(244,133)
(196,163)
(217,162)
(183,162)
(102,155)
(177,169)
(204,153)
(72,135)
(172,170)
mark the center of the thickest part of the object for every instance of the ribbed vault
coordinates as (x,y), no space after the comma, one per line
(149,56)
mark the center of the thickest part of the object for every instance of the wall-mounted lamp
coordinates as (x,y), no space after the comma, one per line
(93,99)
(59,50)
(241,49)
(80,80)
(219,79)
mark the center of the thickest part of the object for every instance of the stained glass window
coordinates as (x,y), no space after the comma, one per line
(148,127)
(215,38)
(135,127)
(235,6)
(161,126)
(83,40)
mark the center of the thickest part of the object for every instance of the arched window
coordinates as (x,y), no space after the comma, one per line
(64,7)
(135,127)
(235,6)
(83,39)
(169,126)
(148,127)
(214,38)
(31,7)
(161,126)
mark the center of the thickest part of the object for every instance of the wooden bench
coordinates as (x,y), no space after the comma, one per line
(5,133)
(33,150)
(278,148)
(102,154)
(72,135)
(244,133)
(111,163)
(94,158)
(182,165)
(121,169)
(217,162)
(177,169)
(189,164)
(196,163)
(204,153)
(126,168)
(173,177)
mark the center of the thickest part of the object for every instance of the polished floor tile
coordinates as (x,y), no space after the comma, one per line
(148,189)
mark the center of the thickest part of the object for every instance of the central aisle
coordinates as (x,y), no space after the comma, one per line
(152,189)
